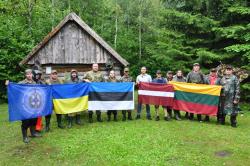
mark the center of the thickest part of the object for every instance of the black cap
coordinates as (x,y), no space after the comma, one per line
(213,70)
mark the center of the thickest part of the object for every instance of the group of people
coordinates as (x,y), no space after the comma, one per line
(229,99)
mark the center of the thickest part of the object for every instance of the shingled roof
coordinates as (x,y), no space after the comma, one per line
(73,17)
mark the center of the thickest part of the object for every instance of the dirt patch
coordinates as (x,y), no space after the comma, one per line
(223,153)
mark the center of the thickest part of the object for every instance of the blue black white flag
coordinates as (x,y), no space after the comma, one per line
(111,96)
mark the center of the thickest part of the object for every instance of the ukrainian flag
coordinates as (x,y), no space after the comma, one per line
(70,98)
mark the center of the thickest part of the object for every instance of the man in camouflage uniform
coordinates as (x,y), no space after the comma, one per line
(53,80)
(178,78)
(195,76)
(170,75)
(230,96)
(28,123)
(112,78)
(126,78)
(94,76)
(73,80)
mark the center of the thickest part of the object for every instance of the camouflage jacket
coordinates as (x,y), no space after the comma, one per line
(94,76)
(70,81)
(126,79)
(111,80)
(57,81)
(230,93)
(25,81)
(195,77)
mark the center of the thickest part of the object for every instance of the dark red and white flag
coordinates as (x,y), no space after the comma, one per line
(156,94)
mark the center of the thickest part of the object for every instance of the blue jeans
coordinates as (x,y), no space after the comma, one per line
(147,109)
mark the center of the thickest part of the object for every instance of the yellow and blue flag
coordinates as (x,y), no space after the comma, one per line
(28,101)
(70,98)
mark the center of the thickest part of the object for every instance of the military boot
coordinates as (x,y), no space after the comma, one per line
(70,120)
(90,117)
(33,132)
(59,121)
(25,137)
(176,115)
(206,119)
(78,120)
(129,115)
(123,115)
(47,123)
(99,118)
(233,121)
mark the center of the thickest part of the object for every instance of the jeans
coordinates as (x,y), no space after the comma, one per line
(147,109)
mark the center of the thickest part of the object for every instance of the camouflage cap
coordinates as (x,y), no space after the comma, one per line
(53,71)
(126,69)
(196,64)
(28,71)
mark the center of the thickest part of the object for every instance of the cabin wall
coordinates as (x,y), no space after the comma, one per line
(72,45)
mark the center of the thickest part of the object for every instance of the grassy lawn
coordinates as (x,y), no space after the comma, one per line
(137,142)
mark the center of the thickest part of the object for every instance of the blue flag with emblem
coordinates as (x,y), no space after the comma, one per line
(28,101)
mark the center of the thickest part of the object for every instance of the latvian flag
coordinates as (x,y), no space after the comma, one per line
(156,94)
(111,96)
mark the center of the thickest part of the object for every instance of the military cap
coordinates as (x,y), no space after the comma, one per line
(126,69)
(196,64)
(28,71)
(53,71)
(170,72)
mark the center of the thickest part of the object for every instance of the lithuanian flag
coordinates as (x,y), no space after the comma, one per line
(70,98)
(196,98)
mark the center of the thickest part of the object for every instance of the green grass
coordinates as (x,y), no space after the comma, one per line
(137,142)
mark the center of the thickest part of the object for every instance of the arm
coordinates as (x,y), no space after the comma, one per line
(237,91)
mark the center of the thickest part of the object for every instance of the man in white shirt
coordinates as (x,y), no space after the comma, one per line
(143,77)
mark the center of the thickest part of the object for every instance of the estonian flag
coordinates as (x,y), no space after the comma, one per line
(27,101)
(70,98)
(111,96)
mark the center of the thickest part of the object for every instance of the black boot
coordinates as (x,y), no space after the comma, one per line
(206,119)
(176,115)
(138,117)
(157,118)
(78,120)
(59,121)
(186,115)
(222,119)
(115,115)
(123,115)
(129,115)
(47,123)
(25,137)
(33,132)
(199,117)
(167,118)
(233,121)
(70,120)
(169,112)
(98,114)
(109,117)
(191,116)
(90,116)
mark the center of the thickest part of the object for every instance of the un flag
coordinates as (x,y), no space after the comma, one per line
(29,101)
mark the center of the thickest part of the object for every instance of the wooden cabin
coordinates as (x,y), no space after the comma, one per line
(73,44)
